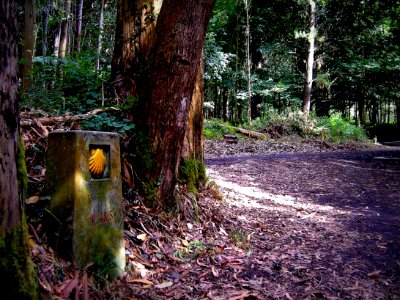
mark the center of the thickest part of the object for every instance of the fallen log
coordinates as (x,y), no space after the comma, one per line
(26,120)
(253,134)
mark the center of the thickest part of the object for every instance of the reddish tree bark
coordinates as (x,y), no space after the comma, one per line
(170,80)
(16,270)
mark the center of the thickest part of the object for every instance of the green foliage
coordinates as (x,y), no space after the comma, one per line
(108,122)
(216,129)
(278,125)
(150,192)
(61,85)
(240,239)
(191,251)
(337,129)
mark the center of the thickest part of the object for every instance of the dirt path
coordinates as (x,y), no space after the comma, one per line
(320,226)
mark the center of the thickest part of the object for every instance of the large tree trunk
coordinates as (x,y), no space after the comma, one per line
(134,36)
(310,60)
(16,271)
(29,42)
(124,65)
(170,81)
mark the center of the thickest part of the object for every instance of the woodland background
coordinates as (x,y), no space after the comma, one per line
(256,58)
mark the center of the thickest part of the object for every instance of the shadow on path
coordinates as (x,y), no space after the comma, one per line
(337,215)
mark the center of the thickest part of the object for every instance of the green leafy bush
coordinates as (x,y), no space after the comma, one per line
(108,122)
(279,125)
(61,85)
(337,129)
(216,129)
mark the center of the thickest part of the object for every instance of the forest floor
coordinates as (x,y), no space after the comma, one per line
(276,220)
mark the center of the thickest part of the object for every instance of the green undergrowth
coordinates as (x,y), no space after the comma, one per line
(215,129)
(334,129)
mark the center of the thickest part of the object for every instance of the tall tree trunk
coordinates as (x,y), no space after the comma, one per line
(16,270)
(248,59)
(64,30)
(236,76)
(225,104)
(166,98)
(310,59)
(45,30)
(78,25)
(57,36)
(99,37)
(362,112)
(29,42)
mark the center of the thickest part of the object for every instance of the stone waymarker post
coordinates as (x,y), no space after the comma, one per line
(84,181)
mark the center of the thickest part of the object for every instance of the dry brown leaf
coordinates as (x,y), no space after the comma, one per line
(138,280)
(214,271)
(164,285)
(32,200)
(240,296)
(142,236)
(375,274)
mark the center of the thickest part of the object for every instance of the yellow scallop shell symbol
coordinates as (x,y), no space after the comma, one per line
(97,161)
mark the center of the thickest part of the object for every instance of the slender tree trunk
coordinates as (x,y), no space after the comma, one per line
(362,113)
(99,37)
(236,76)
(57,36)
(16,270)
(29,42)
(167,96)
(64,30)
(45,30)
(78,25)
(225,104)
(248,58)
(310,59)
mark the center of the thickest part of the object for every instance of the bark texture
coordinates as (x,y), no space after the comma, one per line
(16,271)
(193,146)
(9,198)
(134,36)
(170,83)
